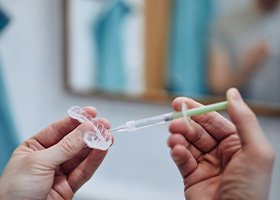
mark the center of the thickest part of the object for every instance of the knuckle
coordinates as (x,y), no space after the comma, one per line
(196,136)
(272,152)
(67,145)
(169,141)
(268,153)
(83,175)
(52,126)
(32,159)
(265,154)
(173,126)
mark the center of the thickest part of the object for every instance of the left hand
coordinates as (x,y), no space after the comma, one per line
(53,164)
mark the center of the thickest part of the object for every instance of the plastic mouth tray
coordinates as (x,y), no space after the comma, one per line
(99,137)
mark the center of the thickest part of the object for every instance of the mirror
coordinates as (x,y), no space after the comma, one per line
(156,50)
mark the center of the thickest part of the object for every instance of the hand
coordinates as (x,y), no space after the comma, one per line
(53,164)
(219,159)
(253,57)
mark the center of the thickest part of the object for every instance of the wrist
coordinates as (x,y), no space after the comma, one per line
(242,187)
(3,190)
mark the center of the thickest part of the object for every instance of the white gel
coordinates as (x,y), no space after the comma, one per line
(96,139)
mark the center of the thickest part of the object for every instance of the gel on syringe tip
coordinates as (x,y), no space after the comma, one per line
(134,125)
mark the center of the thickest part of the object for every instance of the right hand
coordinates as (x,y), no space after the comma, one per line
(219,159)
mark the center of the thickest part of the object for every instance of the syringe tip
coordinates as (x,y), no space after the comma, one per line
(122,128)
(131,126)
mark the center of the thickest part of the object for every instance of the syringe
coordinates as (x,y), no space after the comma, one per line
(134,125)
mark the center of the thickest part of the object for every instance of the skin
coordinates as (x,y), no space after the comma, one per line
(220,159)
(219,60)
(53,164)
(217,159)
(267,5)
(220,66)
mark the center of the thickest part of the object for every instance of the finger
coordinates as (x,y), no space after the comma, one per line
(68,166)
(194,133)
(33,144)
(105,122)
(183,159)
(107,126)
(68,147)
(215,124)
(202,172)
(227,148)
(244,119)
(176,139)
(86,169)
(56,131)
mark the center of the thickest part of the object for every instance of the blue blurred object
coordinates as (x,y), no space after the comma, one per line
(8,136)
(189,33)
(110,72)
(4,20)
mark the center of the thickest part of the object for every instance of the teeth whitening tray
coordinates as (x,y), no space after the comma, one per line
(99,138)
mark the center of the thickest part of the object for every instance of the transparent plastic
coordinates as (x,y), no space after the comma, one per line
(134,125)
(99,137)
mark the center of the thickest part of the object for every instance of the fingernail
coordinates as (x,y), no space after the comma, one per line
(234,94)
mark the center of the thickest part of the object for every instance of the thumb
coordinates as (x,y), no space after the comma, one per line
(244,119)
(68,147)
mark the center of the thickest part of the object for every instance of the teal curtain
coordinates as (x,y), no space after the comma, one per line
(8,137)
(110,72)
(187,55)
(4,20)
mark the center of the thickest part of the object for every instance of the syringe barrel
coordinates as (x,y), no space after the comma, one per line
(147,122)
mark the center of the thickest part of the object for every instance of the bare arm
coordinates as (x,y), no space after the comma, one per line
(223,76)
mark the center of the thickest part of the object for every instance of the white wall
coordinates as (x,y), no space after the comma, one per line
(138,165)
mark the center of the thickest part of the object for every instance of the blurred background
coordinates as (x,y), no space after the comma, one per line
(151,49)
